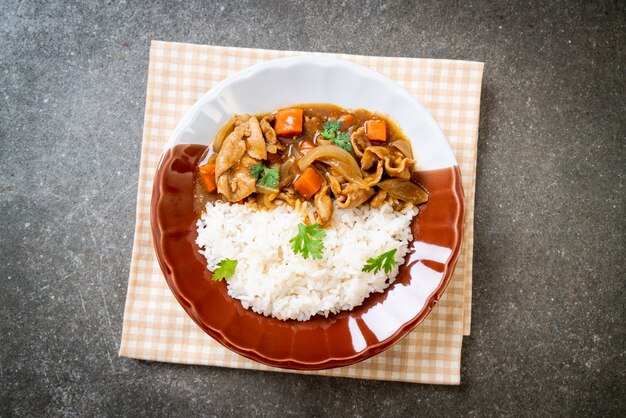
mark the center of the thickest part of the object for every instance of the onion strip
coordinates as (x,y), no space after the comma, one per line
(338,158)
(404,190)
(221,134)
(266,190)
(287,173)
(404,147)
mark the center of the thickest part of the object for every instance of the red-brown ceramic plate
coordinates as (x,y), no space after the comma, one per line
(348,337)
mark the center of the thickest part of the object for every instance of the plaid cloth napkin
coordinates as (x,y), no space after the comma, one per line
(155,326)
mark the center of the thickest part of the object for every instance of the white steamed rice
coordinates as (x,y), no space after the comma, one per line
(272,280)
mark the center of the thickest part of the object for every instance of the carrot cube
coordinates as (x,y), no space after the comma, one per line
(308,183)
(376,130)
(346,120)
(306,146)
(207,175)
(289,122)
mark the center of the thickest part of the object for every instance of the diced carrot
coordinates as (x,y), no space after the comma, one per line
(288,122)
(346,120)
(207,175)
(376,130)
(306,146)
(308,183)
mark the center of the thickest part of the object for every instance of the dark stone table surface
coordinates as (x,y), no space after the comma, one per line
(548,336)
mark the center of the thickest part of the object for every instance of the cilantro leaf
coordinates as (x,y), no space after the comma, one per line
(331,132)
(330,128)
(342,140)
(270,178)
(256,170)
(385,261)
(308,242)
(225,269)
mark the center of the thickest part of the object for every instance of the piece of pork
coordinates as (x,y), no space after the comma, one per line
(255,142)
(241,119)
(399,166)
(372,155)
(359,142)
(271,200)
(237,183)
(323,206)
(270,135)
(379,199)
(371,179)
(233,148)
(353,196)
(266,201)
(335,185)
(288,196)
(395,164)
(241,149)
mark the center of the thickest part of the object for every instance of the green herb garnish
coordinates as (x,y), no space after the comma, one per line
(308,242)
(225,269)
(343,141)
(332,133)
(257,170)
(330,129)
(385,261)
(269,177)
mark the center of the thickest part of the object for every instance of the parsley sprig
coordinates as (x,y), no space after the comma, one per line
(225,270)
(330,128)
(269,177)
(385,262)
(308,242)
(332,133)
(342,140)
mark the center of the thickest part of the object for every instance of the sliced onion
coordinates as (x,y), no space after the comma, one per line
(338,158)
(340,168)
(266,190)
(208,157)
(294,151)
(404,190)
(221,134)
(323,169)
(287,172)
(212,158)
(404,147)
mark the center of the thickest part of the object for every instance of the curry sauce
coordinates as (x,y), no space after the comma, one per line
(312,157)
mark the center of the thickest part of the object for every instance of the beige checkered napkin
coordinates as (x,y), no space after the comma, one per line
(156,327)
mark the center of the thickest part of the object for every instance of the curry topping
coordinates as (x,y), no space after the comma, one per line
(311,157)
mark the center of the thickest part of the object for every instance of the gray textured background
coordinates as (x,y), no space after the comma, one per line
(548,332)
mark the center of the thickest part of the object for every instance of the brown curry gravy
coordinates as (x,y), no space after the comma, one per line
(310,133)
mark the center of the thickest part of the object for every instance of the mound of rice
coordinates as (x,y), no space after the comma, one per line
(272,280)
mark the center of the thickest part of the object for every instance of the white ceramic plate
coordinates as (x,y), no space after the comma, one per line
(279,83)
